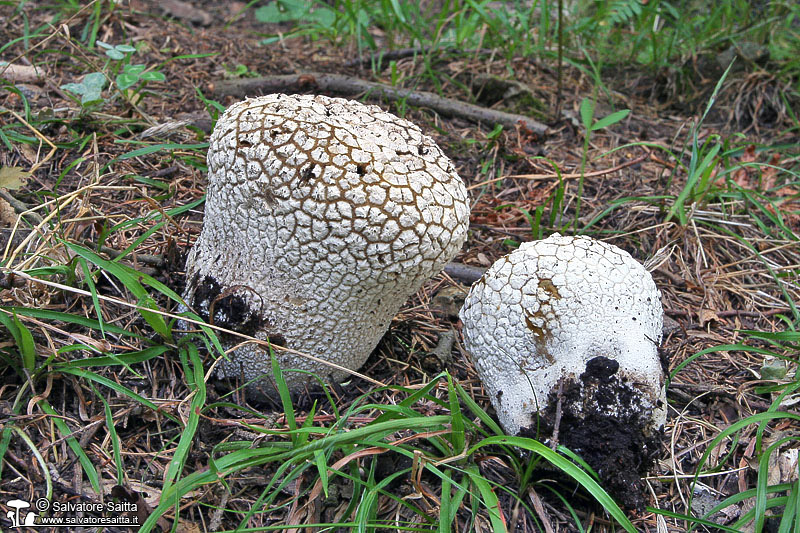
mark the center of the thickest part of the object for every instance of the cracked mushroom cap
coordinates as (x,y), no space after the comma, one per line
(570,310)
(322,217)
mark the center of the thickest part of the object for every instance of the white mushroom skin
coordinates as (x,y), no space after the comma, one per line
(544,311)
(322,217)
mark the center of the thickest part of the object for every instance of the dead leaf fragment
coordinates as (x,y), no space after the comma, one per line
(184,526)
(743,176)
(770,173)
(448,301)
(12,178)
(707,315)
(787,464)
(670,326)
(30,155)
(7,214)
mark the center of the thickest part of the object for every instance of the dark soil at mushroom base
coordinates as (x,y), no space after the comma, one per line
(225,307)
(615,446)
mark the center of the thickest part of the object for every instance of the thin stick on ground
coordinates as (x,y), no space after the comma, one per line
(340,84)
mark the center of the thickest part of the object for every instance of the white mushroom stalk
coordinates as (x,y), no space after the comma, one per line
(572,325)
(322,217)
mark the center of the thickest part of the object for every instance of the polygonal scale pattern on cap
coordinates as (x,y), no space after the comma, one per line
(327,214)
(541,312)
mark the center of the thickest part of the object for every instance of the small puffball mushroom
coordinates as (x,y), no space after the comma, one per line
(564,333)
(322,217)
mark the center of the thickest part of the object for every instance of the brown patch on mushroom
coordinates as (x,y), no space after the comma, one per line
(541,335)
(547,286)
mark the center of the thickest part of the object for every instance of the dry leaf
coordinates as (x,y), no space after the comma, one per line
(769,173)
(743,175)
(12,178)
(7,214)
(707,315)
(793,221)
(787,464)
(745,461)
(184,526)
(101,345)
(786,192)
(773,470)
(28,153)
(140,509)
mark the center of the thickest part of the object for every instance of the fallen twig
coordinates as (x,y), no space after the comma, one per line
(466,273)
(557,422)
(337,83)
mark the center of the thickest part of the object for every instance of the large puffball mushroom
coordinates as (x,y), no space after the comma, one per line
(322,217)
(564,333)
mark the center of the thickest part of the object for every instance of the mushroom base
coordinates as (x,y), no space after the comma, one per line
(608,422)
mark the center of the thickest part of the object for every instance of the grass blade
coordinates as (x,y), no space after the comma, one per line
(112,433)
(130,278)
(187,435)
(283,392)
(568,468)
(489,498)
(72,442)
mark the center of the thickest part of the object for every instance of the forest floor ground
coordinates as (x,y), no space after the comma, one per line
(728,268)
